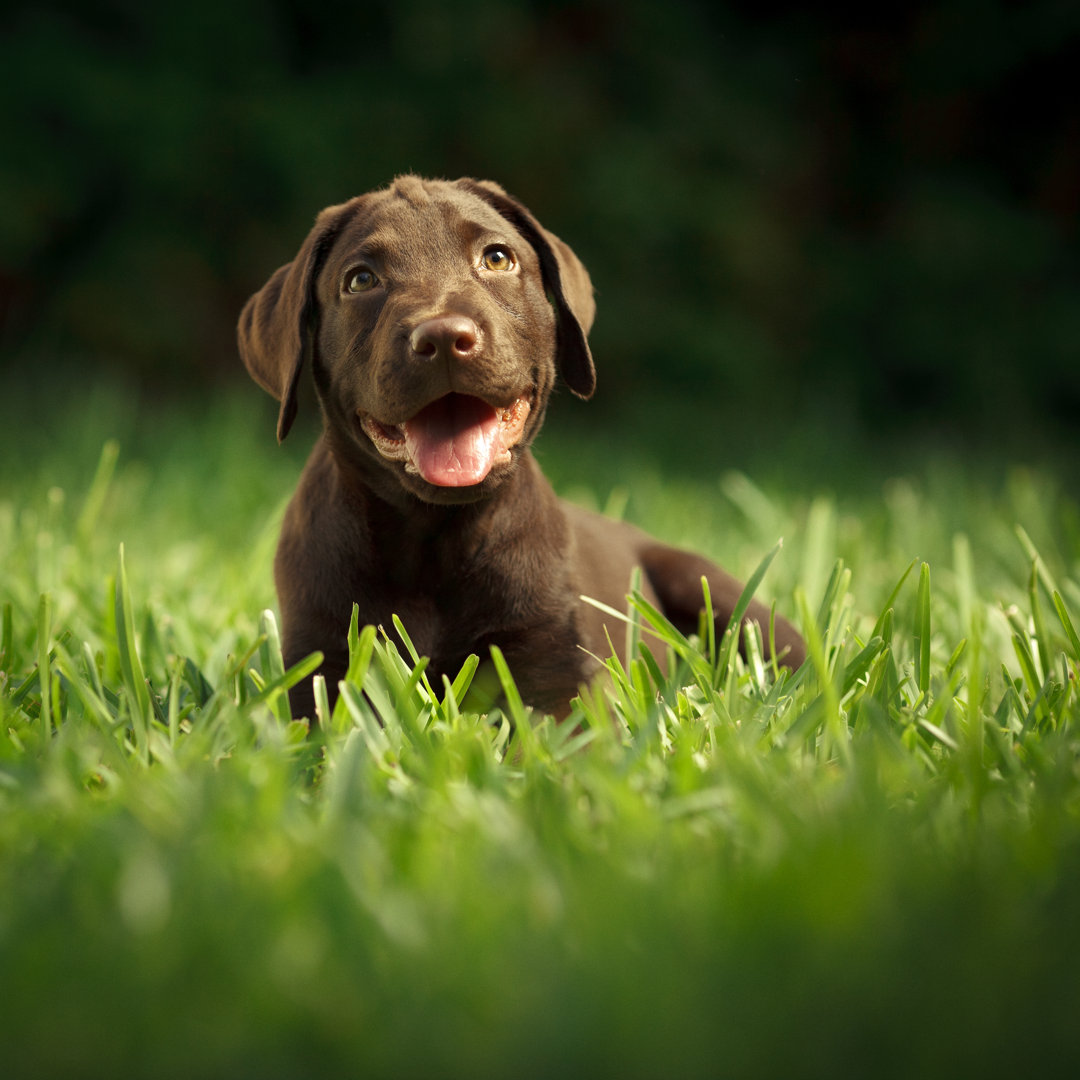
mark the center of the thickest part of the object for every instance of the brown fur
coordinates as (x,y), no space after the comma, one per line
(498,561)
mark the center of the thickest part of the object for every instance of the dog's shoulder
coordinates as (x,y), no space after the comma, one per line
(323,534)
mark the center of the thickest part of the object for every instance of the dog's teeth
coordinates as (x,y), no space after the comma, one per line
(411,469)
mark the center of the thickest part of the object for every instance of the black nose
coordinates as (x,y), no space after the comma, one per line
(449,337)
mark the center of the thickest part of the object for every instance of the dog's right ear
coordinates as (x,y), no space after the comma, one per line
(275,329)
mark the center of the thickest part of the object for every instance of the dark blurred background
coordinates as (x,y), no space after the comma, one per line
(859,220)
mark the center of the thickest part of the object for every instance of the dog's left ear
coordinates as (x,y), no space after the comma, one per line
(275,328)
(565,278)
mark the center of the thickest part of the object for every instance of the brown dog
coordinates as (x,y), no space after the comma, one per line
(436,317)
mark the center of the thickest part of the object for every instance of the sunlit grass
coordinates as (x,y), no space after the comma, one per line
(869,866)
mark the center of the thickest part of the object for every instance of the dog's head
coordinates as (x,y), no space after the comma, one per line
(436,316)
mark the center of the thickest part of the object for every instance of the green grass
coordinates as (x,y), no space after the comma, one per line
(870,868)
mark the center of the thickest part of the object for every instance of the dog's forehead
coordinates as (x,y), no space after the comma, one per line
(416,221)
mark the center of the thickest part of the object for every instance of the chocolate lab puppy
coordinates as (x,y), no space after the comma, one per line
(436,318)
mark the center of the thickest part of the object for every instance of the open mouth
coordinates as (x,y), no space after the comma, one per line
(453,442)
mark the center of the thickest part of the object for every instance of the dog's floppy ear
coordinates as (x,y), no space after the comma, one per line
(566,280)
(275,328)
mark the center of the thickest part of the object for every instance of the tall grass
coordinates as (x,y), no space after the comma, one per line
(871,865)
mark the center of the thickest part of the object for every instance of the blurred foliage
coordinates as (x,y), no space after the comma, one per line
(785,210)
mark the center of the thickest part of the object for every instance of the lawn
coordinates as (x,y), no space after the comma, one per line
(869,868)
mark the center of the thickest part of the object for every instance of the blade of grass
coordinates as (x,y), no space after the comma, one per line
(710,622)
(1033,554)
(450,711)
(922,631)
(860,665)
(834,724)
(174,700)
(361,644)
(1037,688)
(93,676)
(751,586)
(1067,623)
(284,682)
(419,664)
(273,665)
(820,530)
(322,702)
(45,667)
(514,705)
(463,681)
(633,625)
(1042,639)
(130,665)
(834,592)
(99,489)
(890,604)
(7,649)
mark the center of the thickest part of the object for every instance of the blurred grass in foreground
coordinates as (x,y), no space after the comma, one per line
(872,865)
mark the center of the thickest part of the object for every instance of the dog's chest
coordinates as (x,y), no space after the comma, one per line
(424,621)
(449,616)
(445,616)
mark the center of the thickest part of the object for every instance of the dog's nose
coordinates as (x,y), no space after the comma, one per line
(448,337)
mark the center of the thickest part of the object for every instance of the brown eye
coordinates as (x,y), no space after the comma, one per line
(361,280)
(498,257)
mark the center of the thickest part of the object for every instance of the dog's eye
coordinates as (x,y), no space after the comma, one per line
(361,280)
(498,257)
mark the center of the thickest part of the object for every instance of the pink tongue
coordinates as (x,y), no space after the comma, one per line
(454,440)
